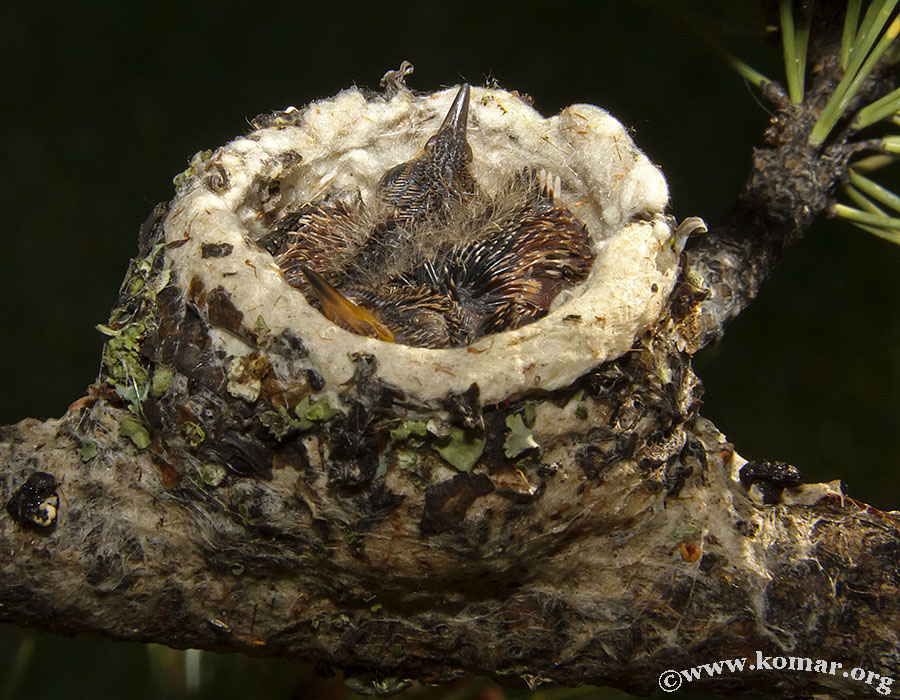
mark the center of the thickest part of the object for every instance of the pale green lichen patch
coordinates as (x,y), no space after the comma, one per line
(520,438)
(280,423)
(410,463)
(382,467)
(313,412)
(133,429)
(407,461)
(211,474)
(162,378)
(304,416)
(261,330)
(193,433)
(88,450)
(577,405)
(243,513)
(123,364)
(685,529)
(408,429)
(461,448)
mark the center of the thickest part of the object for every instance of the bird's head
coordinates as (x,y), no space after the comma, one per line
(439,176)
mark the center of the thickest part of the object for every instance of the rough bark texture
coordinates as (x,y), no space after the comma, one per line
(605,536)
(657,575)
(790,184)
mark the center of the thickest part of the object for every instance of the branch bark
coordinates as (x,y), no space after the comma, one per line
(663,579)
(621,541)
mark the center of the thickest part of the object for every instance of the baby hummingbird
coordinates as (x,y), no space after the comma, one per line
(433,261)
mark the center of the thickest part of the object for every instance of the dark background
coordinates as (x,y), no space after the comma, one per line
(104,102)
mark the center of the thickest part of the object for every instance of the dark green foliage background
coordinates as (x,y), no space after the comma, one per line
(103,102)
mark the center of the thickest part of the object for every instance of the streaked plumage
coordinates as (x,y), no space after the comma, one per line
(433,261)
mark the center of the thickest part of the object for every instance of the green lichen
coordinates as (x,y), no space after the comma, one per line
(407,429)
(261,330)
(382,466)
(684,530)
(529,413)
(211,474)
(122,362)
(244,514)
(410,463)
(577,405)
(130,322)
(161,380)
(280,423)
(407,461)
(309,413)
(520,438)
(461,448)
(88,450)
(193,433)
(355,541)
(305,415)
(133,429)
(321,410)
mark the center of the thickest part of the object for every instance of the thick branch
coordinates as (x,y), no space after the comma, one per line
(658,581)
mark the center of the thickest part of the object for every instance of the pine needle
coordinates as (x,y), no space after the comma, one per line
(890,223)
(874,190)
(851,22)
(794,43)
(862,59)
(878,110)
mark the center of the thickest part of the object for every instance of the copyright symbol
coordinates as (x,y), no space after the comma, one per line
(670,681)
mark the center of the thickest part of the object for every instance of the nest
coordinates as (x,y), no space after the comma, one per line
(341,147)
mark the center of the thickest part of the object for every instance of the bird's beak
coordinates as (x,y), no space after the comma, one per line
(449,149)
(458,116)
(339,309)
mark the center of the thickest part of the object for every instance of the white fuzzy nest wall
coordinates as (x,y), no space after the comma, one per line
(343,145)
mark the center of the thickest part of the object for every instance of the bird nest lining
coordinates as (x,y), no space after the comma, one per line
(341,147)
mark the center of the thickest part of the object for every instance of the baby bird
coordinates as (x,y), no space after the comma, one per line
(433,261)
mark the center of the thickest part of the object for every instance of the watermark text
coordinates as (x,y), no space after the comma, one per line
(672,680)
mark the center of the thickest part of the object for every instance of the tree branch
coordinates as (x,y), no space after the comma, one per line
(645,576)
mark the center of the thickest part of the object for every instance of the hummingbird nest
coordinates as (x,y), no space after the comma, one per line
(337,152)
(382,328)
